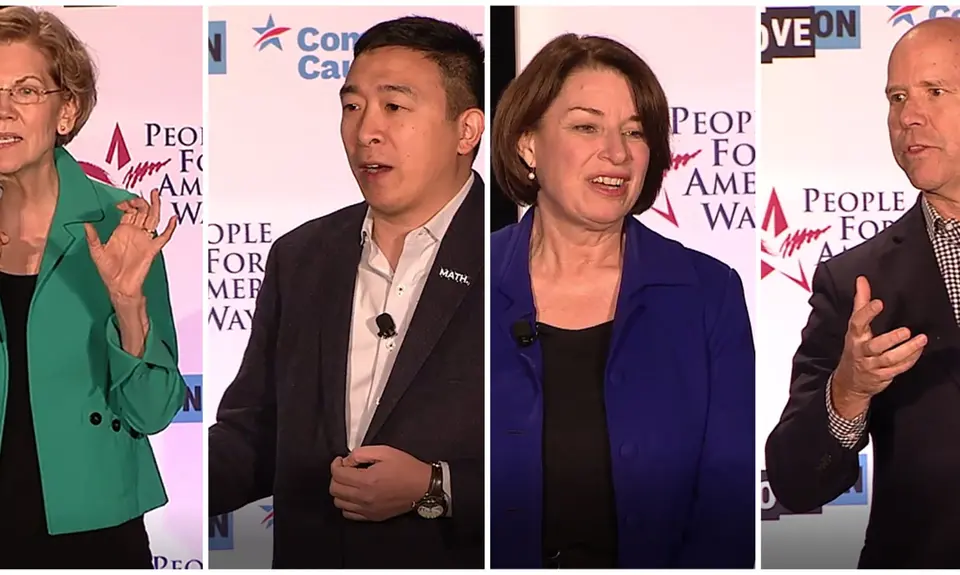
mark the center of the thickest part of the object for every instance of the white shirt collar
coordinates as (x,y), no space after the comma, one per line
(438,224)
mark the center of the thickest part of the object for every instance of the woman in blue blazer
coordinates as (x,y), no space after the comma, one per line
(622,363)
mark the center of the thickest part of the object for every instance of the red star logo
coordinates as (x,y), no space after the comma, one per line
(777,231)
(677,161)
(118,151)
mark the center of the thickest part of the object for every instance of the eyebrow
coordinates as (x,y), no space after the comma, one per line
(23,79)
(923,84)
(387,88)
(596,112)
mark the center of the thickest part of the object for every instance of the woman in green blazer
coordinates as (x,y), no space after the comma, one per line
(88,350)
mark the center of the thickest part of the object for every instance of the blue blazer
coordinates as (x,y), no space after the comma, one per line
(680,409)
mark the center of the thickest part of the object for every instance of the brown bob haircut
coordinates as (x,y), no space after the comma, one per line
(529,95)
(70,65)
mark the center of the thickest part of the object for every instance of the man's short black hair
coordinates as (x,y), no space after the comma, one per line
(457,51)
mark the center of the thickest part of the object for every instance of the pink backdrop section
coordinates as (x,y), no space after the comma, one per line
(149,114)
(284,130)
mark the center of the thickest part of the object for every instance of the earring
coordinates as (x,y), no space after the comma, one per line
(531,176)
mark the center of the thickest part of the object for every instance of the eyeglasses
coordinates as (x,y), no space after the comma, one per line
(28,94)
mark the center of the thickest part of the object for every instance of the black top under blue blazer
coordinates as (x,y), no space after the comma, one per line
(679,394)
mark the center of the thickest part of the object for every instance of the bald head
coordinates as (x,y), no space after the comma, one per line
(923,90)
(942,32)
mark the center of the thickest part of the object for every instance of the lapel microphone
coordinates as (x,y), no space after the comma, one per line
(523,333)
(386,326)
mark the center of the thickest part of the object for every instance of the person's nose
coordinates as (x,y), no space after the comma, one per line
(370,129)
(912,113)
(615,148)
(7,107)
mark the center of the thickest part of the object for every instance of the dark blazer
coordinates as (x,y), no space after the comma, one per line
(914,423)
(680,409)
(281,422)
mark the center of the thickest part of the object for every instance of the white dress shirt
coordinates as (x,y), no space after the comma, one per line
(380,289)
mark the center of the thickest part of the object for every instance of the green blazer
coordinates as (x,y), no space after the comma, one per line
(94,404)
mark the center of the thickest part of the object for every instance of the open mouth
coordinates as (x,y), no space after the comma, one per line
(374,169)
(9,139)
(917,149)
(609,184)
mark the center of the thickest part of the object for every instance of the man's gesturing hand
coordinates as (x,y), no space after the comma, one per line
(868,364)
(390,486)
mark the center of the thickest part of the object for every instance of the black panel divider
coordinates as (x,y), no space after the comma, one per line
(503,69)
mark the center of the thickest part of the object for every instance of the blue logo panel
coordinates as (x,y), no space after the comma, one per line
(217,46)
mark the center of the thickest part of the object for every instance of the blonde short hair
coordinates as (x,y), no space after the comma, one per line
(71,66)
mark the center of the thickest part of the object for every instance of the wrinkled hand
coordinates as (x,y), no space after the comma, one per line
(391,486)
(123,262)
(869,364)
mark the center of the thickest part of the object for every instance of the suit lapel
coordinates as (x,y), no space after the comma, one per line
(914,293)
(516,291)
(337,281)
(77,203)
(461,251)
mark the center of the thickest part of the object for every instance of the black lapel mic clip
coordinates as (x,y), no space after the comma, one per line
(524,333)
(386,326)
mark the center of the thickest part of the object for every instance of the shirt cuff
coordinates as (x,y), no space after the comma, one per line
(446,488)
(847,431)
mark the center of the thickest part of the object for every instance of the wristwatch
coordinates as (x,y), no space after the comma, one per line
(433,504)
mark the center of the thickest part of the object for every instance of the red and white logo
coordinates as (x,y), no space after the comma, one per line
(782,245)
(127,174)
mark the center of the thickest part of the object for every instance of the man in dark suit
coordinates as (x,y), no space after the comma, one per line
(880,355)
(359,403)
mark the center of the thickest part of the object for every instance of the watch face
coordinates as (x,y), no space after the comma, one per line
(430,509)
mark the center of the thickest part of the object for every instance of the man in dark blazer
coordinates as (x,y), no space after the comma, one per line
(359,403)
(880,355)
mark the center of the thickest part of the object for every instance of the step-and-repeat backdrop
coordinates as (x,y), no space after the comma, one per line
(274,77)
(145,133)
(707,202)
(828,182)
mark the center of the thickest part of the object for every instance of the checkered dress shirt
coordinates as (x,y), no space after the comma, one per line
(945,237)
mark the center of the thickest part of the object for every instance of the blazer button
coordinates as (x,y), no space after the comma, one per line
(627,450)
(824,462)
(115,425)
(135,434)
(95,418)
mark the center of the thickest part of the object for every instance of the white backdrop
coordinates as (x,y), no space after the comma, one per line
(825,153)
(278,162)
(146,133)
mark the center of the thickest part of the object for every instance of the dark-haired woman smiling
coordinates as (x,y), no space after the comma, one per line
(622,363)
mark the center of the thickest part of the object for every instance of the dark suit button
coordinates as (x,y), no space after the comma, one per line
(134,434)
(115,425)
(95,418)
(626,450)
(824,462)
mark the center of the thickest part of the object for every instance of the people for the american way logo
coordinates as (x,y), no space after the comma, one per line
(781,245)
(665,208)
(268,519)
(119,153)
